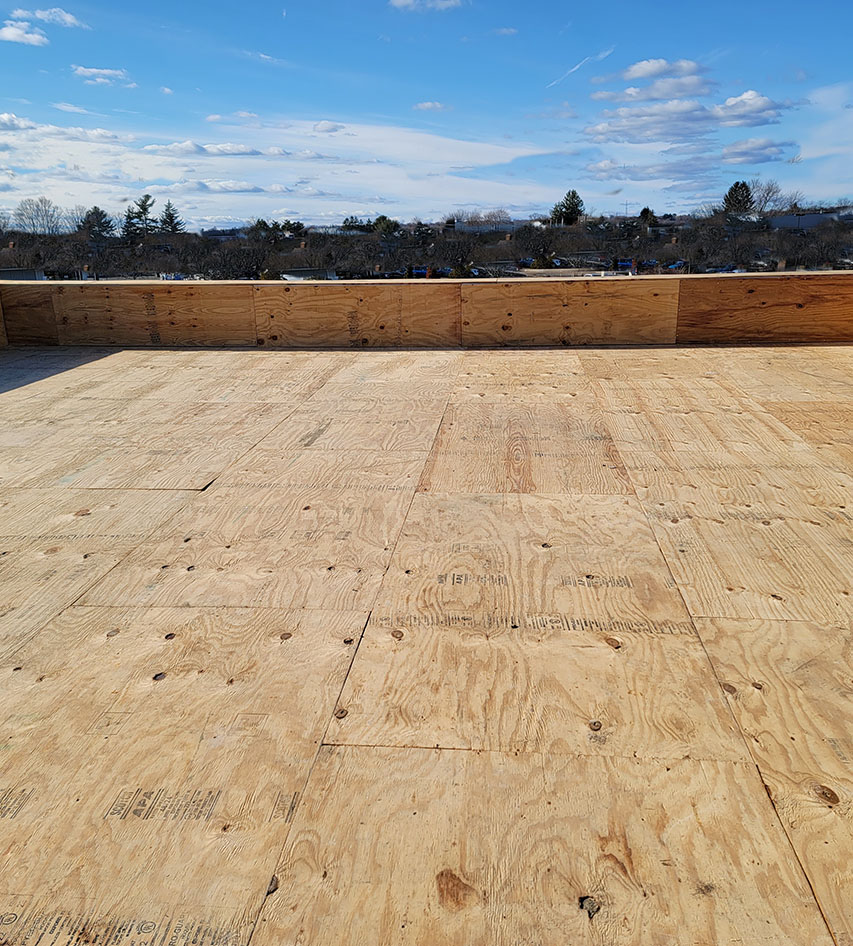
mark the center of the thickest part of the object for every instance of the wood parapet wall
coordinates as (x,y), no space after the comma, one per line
(653,310)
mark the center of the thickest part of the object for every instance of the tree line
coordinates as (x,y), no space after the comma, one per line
(42,216)
(731,232)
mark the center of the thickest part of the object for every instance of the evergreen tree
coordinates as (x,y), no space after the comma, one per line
(647,215)
(170,221)
(130,226)
(568,210)
(97,224)
(738,199)
(147,222)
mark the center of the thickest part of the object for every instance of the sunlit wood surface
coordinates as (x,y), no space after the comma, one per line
(435,648)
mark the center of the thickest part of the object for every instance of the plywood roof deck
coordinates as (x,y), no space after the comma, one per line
(478,648)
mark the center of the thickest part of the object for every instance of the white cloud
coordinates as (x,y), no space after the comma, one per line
(652,68)
(680,119)
(93,76)
(22,31)
(55,15)
(425,4)
(506,31)
(213,118)
(660,90)
(166,90)
(328,128)
(749,108)
(11,122)
(192,148)
(430,107)
(67,107)
(230,187)
(756,151)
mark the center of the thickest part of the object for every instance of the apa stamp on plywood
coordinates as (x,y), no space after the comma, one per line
(13,800)
(163,805)
(48,927)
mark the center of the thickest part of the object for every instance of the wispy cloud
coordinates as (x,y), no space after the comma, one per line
(430,107)
(93,76)
(68,107)
(597,58)
(425,4)
(55,15)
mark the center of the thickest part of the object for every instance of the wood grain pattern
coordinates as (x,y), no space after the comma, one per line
(198,829)
(393,646)
(790,308)
(263,548)
(485,447)
(574,312)
(525,560)
(116,314)
(587,692)
(790,687)
(439,313)
(29,315)
(485,849)
(748,561)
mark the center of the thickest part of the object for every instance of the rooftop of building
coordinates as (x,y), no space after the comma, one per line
(425,646)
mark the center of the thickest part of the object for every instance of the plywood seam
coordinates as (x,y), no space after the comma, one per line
(301,794)
(734,718)
(794,851)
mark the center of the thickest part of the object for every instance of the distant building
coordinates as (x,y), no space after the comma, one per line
(224,236)
(808,221)
(22,274)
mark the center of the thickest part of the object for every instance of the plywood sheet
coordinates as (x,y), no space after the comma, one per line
(483,849)
(576,312)
(265,468)
(757,562)
(80,514)
(355,315)
(382,368)
(588,692)
(789,686)
(529,561)
(489,447)
(430,314)
(264,548)
(240,697)
(119,314)
(378,424)
(795,308)
(29,315)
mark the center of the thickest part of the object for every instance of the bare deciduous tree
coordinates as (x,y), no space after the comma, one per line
(40,215)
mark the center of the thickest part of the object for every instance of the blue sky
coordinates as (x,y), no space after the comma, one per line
(419,108)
